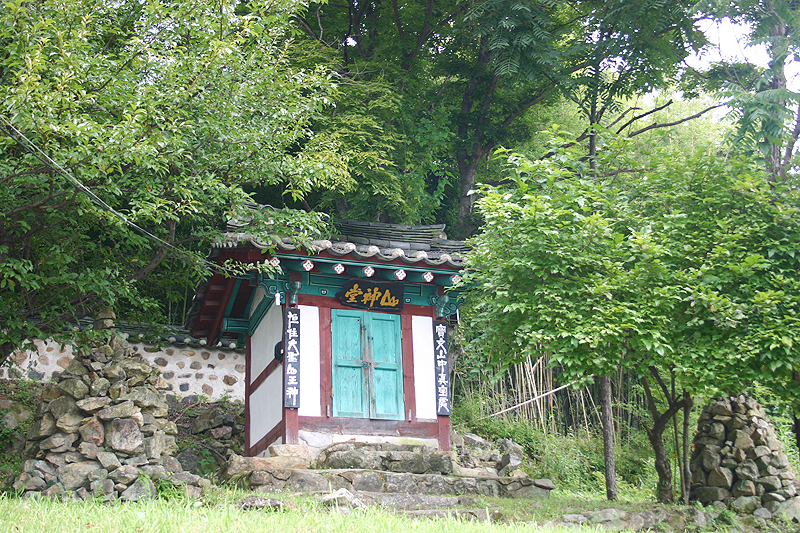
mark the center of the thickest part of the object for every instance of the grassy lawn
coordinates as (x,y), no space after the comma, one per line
(302,514)
(218,512)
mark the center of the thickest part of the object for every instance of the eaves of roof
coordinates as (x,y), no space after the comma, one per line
(407,252)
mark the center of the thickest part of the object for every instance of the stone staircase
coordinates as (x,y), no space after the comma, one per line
(389,475)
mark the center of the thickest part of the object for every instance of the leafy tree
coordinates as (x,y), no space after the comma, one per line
(765,109)
(131,132)
(463,75)
(680,270)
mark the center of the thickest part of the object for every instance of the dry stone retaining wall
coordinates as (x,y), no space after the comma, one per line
(102,431)
(188,369)
(738,462)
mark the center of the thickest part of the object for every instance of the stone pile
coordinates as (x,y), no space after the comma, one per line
(656,519)
(102,431)
(12,415)
(216,431)
(480,457)
(738,462)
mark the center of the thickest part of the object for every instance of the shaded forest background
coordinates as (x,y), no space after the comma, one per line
(133,130)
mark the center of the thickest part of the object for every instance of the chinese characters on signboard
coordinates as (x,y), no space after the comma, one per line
(441,359)
(376,296)
(291,360)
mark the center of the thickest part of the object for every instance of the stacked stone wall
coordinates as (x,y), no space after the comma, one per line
(102,431)
(737,461)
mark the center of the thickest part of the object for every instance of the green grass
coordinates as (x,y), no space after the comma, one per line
(221,514)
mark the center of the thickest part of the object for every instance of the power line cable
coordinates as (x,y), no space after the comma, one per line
(17,136)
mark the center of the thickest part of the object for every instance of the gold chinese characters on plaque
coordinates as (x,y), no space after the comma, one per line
(373,295)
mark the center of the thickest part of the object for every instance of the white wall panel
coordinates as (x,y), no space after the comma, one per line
(424,373)
(266,406)
(262,344)
(309,362)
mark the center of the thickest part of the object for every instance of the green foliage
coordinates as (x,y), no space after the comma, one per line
(664,266)
(26,393)
(761,103)
(165,114)
(168,491)
(727,517)
(684,263)
(573,461)
(428,91)
(208,465)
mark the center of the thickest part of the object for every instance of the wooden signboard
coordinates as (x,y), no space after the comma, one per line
(372,295)
(442,369)
(291,360)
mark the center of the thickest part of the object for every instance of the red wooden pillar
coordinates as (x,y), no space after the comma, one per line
(290,426)
(444,433)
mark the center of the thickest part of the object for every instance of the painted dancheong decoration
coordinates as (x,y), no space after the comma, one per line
(371,360)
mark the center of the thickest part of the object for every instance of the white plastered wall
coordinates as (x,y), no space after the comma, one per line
(268,333)
(265,405)
(266,410)
(424,371)
(309,362)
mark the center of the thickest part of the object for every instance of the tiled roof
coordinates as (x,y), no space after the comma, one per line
(174,335)
(371,240)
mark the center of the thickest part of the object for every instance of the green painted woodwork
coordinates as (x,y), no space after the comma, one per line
(387,368)
(367,368)
(350,389)
(325,285)
(236,325)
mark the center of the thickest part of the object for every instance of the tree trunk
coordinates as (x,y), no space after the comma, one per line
(687,471)
(466,226)
(664,493)
(777,51)
(795,419)
(608,438)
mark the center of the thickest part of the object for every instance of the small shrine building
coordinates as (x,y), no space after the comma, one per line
(346,343)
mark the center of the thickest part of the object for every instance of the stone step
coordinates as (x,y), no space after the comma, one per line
(414,459)
(382,482)
(471,515)
(414,502)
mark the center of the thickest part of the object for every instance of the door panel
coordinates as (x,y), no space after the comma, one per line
(388,396)
(349,388)
(366,349)
(387,367)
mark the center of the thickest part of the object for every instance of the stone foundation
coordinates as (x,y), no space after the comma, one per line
(278,474)
(390,469)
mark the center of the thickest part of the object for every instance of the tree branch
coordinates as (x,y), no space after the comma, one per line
(661,384)
(787,154)
(634,119)
(681,121)
(532,102)
(37,204)
(159,257)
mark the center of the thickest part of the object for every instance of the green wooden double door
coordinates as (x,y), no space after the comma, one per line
(367,365)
